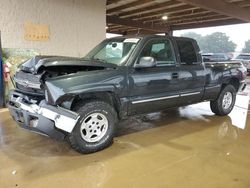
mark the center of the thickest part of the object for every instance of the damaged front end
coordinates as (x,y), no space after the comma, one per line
(44,119)
(34,103)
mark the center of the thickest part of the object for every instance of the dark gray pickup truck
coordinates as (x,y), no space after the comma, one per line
(82,99)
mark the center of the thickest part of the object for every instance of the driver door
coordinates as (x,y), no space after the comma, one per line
(155,88)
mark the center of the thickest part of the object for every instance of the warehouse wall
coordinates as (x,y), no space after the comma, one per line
(75,25)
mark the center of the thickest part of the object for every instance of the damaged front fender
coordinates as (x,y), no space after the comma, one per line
(65,88)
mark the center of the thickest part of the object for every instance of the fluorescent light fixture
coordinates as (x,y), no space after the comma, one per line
(165,17)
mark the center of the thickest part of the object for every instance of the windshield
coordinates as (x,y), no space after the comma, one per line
(116,50)
(244,57)
(216,56)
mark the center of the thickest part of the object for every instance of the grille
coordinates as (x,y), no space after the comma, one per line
(27,76)
(29,90)
(23,76)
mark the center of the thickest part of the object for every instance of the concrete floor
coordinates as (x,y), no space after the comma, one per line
(185,147)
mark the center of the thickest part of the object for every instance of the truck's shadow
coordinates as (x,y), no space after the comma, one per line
(148,121)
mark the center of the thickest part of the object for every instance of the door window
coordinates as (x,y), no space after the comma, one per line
(161,50)
(187,52)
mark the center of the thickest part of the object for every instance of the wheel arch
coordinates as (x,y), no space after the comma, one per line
(106,96)
(232,81)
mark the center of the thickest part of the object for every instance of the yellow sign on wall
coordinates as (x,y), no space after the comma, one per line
(36,32)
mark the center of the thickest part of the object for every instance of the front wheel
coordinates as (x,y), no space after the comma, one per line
(224,104)
(95,128)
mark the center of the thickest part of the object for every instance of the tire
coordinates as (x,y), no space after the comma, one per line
(92,115)
(224,108)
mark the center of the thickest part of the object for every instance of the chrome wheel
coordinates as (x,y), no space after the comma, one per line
(94,127)
(227,100)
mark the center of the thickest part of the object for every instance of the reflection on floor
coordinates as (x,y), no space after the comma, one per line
(239,113)
(185,147)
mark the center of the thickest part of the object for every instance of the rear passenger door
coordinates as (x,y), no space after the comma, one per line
(191,73)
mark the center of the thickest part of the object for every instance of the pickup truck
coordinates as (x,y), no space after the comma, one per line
(214,57)
(82,100)
(245,59)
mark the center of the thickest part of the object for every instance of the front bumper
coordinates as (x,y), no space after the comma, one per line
(44,119)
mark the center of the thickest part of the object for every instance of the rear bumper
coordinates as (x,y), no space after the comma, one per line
(44,119)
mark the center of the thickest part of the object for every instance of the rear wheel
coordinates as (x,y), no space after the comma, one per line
(224,104)
(95,128)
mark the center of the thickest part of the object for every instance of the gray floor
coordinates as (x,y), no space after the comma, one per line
(185,147)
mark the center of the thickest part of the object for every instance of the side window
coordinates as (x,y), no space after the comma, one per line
(187,52)
(158,47)
(160,50)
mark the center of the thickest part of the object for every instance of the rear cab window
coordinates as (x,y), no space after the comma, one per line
(187,51)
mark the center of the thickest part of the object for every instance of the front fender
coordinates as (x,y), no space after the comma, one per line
(56,95)
(64,88)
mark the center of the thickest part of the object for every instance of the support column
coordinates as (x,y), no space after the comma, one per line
(1,76)
(169,33)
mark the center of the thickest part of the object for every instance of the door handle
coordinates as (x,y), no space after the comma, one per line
(175,75)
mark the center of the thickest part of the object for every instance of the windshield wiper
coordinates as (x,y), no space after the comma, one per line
(98,59)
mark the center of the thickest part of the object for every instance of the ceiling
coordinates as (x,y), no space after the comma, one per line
(145,16)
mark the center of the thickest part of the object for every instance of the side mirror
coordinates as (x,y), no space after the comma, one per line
(146,62)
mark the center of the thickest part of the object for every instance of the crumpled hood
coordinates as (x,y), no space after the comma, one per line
(34,64)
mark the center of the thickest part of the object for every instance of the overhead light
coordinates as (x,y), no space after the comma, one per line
(165,17)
